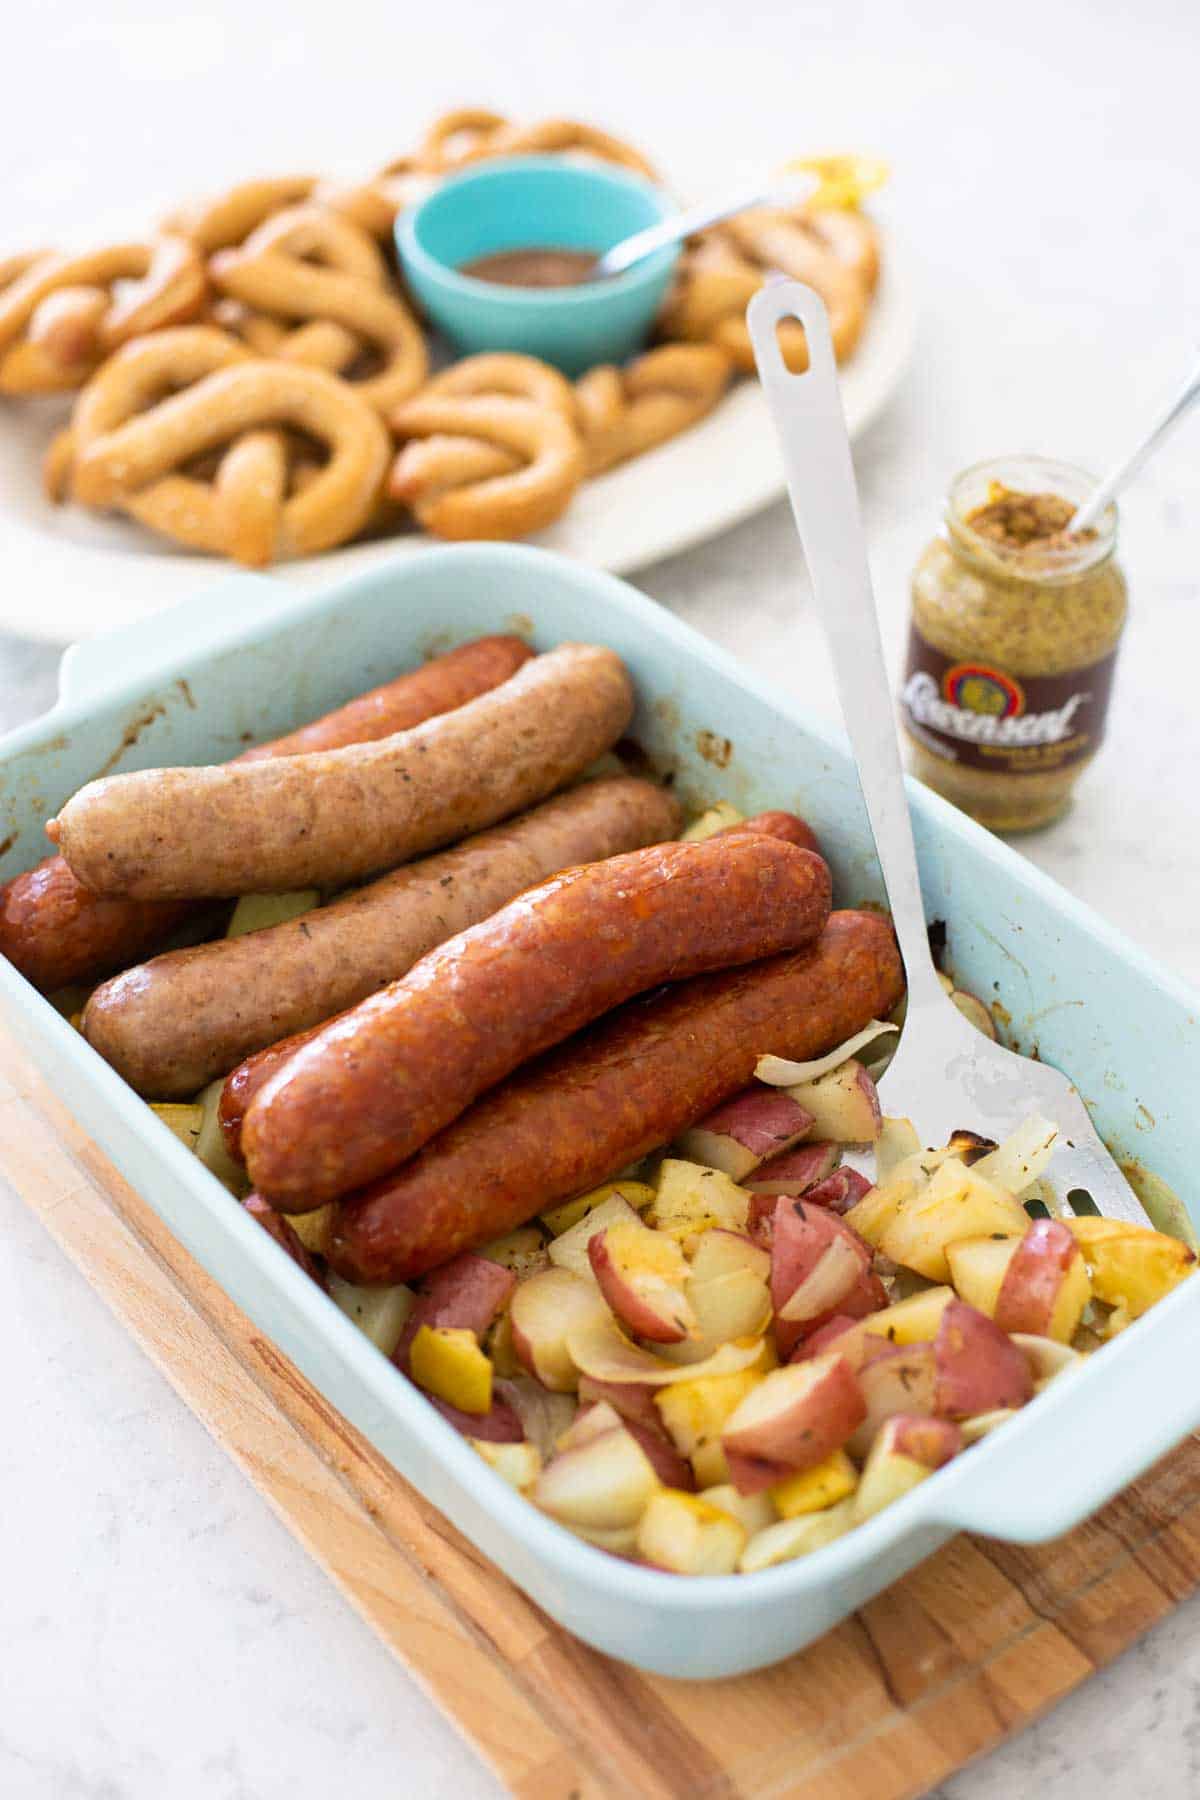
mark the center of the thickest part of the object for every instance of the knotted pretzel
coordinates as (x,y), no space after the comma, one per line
(61,315)
(450,471)
(833,251)
(307,264)
(146,426)
(219,221)
(623,412)
(473,134)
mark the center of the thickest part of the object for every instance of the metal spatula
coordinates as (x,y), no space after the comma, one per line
(946,1075)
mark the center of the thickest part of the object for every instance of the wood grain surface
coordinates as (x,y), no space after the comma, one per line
(960,1654)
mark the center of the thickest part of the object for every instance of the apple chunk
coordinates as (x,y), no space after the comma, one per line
(844,1105)
(1045,1287)
(793,1419)
(687,1536)
(690,1199)
(1131,1266)
(905,1453)
(544,1310)
(745,1131)
(447,1362)
(979,1368)
(956,1202)
(642,1275)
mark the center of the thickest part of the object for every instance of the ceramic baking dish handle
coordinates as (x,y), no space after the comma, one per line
(1046,1471)
(93,668)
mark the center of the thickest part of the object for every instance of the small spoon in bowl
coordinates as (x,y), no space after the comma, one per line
(793,190)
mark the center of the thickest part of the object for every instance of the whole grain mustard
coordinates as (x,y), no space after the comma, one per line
(1015,627)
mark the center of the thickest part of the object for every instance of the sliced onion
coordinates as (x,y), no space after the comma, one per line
(599,1349)
(1046,1356)
(978,1427)
(544,1416)
(1022,1158)
(777,1071)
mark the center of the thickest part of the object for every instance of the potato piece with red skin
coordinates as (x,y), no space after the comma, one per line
(1045,1287)
(630,1399)
(819,1268)
(544,1310)
(796,1173)
(281,1229)
(499,1425)
(906,1452)
(839,1191)
(793,1419)
(844,1104)
(746,1130)
(464,1294)
(894,1379)
(672,1469)
(979,1368)
(641,1274)
(603,1484)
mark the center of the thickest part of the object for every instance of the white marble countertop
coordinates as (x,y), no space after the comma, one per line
(163,1633)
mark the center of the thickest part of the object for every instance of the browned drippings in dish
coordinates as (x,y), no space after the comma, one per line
(541,266)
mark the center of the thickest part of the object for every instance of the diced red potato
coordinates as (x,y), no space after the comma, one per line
(979,1368)
(794,1418)
(464,1294)
(545,1310)
(603,1484)
(894,1379)
(839,1191)
(1045,1287)
(634,1403)
(726,1308)
(817,1342)
(906,1451)
(499,1425)
(759,1123)
(684,1535)
(642,1274)
(276,1226)
(819,1268)
(672,1469)
(689,1200)
(380,1313)
(911,1321)
(518,1464)
(844,1104)
(956,1202)
(570,1249)
(796,1172)
(590,1422)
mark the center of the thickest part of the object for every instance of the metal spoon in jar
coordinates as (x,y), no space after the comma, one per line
(793,191)
(1123,474)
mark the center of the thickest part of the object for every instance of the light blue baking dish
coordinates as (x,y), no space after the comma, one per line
(250,659)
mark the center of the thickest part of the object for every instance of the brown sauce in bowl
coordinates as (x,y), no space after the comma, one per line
(541,266)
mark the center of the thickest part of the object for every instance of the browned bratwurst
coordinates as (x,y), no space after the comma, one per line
(330,817)
(171,1024)
(56,932)
(246,1080)
(628,1084)
(379,1082)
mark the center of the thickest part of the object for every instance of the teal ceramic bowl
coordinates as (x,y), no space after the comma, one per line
(534,202)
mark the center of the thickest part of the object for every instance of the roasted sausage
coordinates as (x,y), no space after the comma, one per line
(601,1100)
(334,816)
(379,1082)
(172,1024)
(56,932)
(247,1079)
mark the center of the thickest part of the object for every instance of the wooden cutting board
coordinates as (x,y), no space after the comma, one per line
(960,1655)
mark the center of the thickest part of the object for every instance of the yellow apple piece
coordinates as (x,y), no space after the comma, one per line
(690,1199)
(258,912)
(313,1228)
(791,1538)
(905,1453)
(718,817)
(694,1412)
(543,1310)
(911,1321)
(570,1249)
(978,1266)
(815,1489)
(956,1202)
(642,1274)
(380,1313)
(446,1361)
(636,1195)
(518,1464)
(1131,1266)
(184,1120)
(871,1216)
(603,1484)
(687,1536)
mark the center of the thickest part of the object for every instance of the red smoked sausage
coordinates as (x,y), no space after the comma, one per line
(56,932)
(631,1082)
(380,1081)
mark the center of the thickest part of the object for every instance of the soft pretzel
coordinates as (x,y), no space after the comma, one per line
(307,264)
(427,463)
(455,492)
(473,134)
(623,412)
(160,406)
(61,315)
(218,221)
(833,251)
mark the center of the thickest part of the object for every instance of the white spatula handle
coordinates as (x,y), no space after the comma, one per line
(807,411)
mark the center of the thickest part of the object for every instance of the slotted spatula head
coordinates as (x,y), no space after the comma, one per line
(946,1075)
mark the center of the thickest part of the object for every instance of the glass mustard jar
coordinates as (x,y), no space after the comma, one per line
(1013,642)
